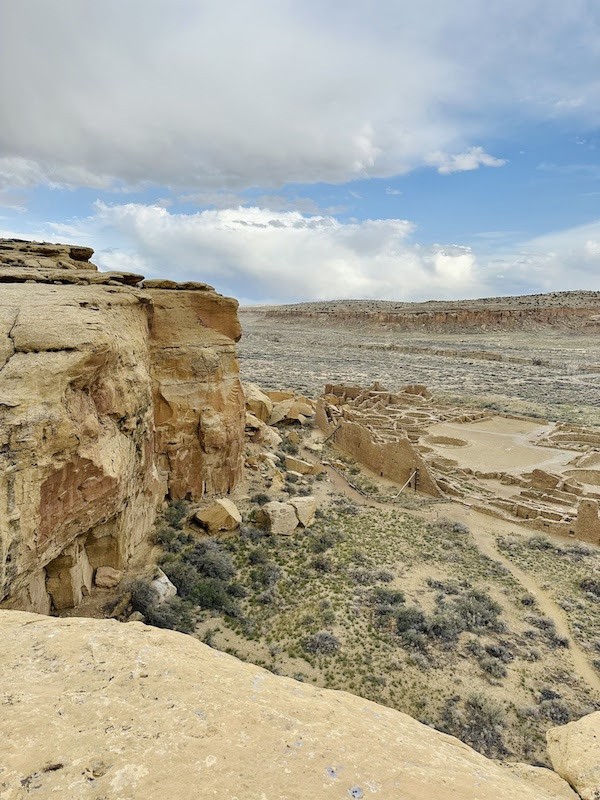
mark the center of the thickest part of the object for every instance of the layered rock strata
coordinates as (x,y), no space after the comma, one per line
(166,716)
(575,311)
(115,393)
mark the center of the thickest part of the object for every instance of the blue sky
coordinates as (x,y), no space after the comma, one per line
(286,151)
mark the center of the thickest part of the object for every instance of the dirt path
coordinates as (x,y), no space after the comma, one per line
(484,530)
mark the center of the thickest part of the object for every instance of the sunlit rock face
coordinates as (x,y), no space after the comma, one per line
(113,394)
(166,716)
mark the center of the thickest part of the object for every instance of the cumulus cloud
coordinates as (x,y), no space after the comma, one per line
(273,256)
(216,95)
(473,158)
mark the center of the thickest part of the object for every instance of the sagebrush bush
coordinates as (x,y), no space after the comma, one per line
(322,643)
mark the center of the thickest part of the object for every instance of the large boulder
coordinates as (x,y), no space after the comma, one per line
(257,402)
(261,433)
(162,587)
(222,515)
(280,518)
(299,465)
(305,508)
(574,751)
(107,577)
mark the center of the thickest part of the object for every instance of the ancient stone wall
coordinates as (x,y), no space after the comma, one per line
(113,394)
(396,460)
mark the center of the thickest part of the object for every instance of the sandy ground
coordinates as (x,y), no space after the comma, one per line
(499,444)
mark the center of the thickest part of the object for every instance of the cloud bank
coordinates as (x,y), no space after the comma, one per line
(216,95)
(260,255)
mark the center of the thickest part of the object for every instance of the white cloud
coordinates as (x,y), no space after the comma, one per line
(473,158)
(263,255)
(225,95)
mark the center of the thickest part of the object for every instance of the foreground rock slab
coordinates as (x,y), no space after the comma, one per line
(97,709)
(574,750)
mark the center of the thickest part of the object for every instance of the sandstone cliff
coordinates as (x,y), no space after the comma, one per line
(114,393)
(573,311)
(99,709)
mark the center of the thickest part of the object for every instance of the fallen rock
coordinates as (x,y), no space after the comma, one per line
(203,719)
(574,751)
(162,587)
(137,616)
(305,509)
(107,577)
(291,411)
(261,433)
(222,515)
(299,465)
(277,481)
(280,517)
(257,402)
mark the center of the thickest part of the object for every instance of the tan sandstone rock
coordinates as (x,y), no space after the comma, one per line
(299,465)
(280,518)
(107,577)
(574,751)
(222,515)
(111,396)
(257,402)
(305,509)
(544,779)
(166,716)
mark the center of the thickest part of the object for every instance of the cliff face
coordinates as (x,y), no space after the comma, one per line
(572,311)
(168,717)
(113,394)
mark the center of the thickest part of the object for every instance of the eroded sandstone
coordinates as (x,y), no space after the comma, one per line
(113,396)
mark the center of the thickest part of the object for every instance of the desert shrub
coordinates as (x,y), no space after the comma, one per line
(445,626)
(211,560)
(171,539)
(381,595)
(557,710)
(260,498)
(478,612)
(539,542)
(415,640)
(501,651)
(172,614)
(211,593)
(289,447)
(384,576)
(264,575)
(175,513)
(480,723)
(143,596)
(410,618)
(591,585)
(362,576)
(321,542)
(322,564)
(291,477)
(493,667)
(183,575)
(322,643)
(445,526)
(527,600)
(446,587)
(258,556)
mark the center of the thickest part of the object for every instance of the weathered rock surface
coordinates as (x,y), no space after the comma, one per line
(107,577)
(299,465)
(574,751)
(305,508)
(257,402)
(112,395)
(280,518)
(95,708)
(222,515)
(162,587)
